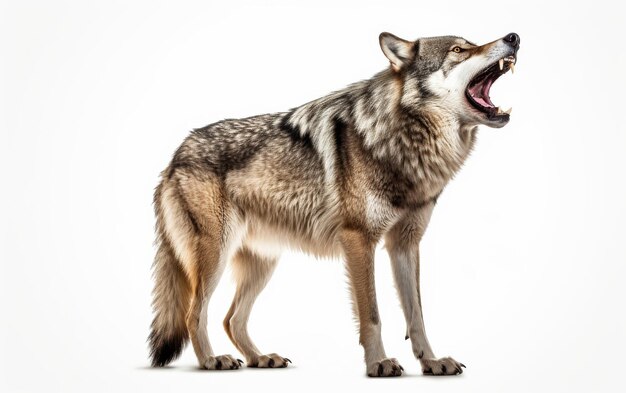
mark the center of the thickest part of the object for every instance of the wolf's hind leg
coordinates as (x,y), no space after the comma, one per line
(209,271)
(402,243)
(252,272)
(205,232)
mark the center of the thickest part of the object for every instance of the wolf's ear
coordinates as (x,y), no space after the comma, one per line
(398,51)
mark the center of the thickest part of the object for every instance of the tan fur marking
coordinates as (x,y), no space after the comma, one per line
(251,272)
(359,253)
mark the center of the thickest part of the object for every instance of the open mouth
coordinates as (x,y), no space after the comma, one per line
(477,91)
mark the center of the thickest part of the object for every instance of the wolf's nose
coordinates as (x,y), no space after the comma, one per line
(512,39)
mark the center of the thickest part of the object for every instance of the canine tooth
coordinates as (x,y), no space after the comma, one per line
(512,67)
(501,62)
(508,111)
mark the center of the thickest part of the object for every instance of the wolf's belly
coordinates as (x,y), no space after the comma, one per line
(270,241)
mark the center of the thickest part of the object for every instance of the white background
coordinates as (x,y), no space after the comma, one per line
(523,263)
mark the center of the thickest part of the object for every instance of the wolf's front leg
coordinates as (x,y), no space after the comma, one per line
(359,253)
(402,243)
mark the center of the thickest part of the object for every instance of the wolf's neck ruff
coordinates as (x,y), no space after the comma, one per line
(425,143)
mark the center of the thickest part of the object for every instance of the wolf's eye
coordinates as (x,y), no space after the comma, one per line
(457,49)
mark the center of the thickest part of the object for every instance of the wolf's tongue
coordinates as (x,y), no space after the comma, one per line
(484,102)
(480,93)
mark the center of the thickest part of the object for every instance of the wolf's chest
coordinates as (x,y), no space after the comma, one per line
(419,175)
(440,159)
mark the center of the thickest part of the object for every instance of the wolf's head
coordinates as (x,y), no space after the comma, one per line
(452,73)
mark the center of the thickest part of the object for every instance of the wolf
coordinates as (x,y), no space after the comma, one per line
(331,178)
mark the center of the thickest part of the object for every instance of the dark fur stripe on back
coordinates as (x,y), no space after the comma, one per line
(294,132)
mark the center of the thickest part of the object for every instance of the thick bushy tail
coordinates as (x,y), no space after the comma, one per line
(171,297)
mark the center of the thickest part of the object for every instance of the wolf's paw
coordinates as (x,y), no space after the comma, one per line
(443,366)
(385,368)
(271,360)
(222,362)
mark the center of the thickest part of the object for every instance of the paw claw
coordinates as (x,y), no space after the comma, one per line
(388,367)
(221,362)
(271,360)
(397,370)
(443,366)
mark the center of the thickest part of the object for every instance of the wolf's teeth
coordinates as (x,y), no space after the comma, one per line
(512,67)
(501,62)
(508,111)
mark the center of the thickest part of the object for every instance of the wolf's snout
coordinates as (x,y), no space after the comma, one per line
(512,39)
